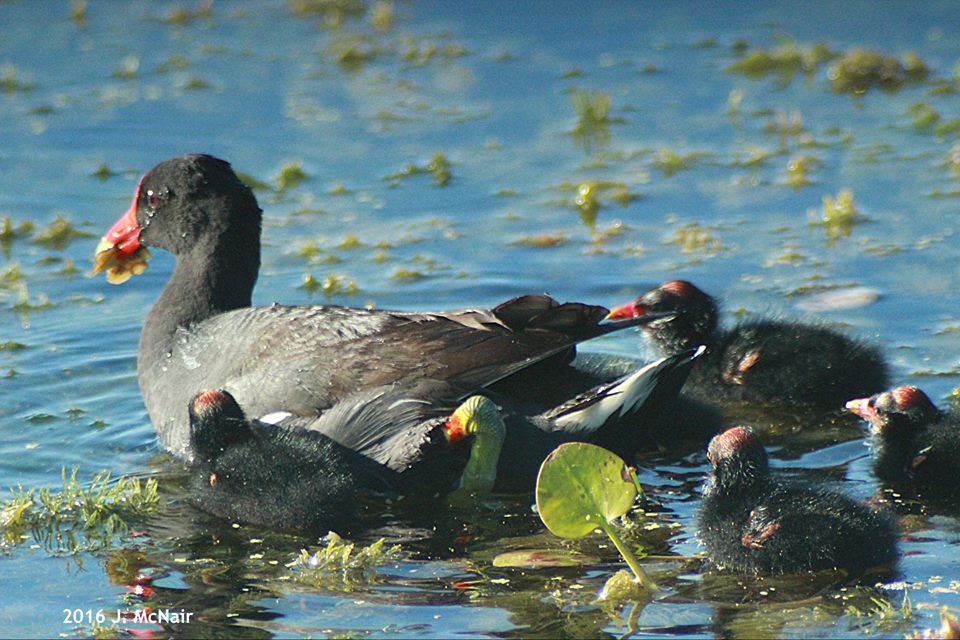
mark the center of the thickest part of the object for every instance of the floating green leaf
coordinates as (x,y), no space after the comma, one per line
(581,485)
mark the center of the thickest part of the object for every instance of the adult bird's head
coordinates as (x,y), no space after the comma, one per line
(189,203)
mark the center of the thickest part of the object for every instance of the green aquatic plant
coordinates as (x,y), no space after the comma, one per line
(693,238)
(290,175)
(382,16)
(176,62)
(438,167)
(10,83)
(582,487)
(352,51)
(78,12)
(798,171)
(592,130)
(10,232)
(408,275)
(419,51)
(840,214)
(181,16)
(350,241)
(333,12)
(10,276)
(784,61)
(859,70)
(785,126)
(342,562)
(670,162)
(103,172)
(331,285)
(78,516)
(59,233)
(254,183)
(592,195)
(924,116)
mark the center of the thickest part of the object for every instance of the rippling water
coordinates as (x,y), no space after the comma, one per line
(101,91)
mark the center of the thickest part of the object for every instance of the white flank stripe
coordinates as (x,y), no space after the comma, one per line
(622,396)
(274,418)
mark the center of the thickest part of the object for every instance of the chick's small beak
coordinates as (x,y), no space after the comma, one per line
(863,408)
(625,311)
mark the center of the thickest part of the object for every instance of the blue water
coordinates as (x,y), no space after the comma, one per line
(260,86)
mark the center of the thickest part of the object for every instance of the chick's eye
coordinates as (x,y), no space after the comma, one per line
(153,199)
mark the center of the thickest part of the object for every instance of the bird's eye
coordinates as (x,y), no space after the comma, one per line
(153,199)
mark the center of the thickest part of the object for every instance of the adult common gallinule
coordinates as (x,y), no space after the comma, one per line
(761,361)
(202,332)
(284,471)
(751,522)
(912,439)
(619,415)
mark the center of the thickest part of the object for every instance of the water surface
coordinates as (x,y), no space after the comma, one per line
(105,90)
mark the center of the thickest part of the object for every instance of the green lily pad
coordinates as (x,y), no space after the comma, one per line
(580,486)
(541,558)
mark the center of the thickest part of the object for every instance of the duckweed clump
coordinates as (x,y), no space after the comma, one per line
(860,70)
(77,517)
